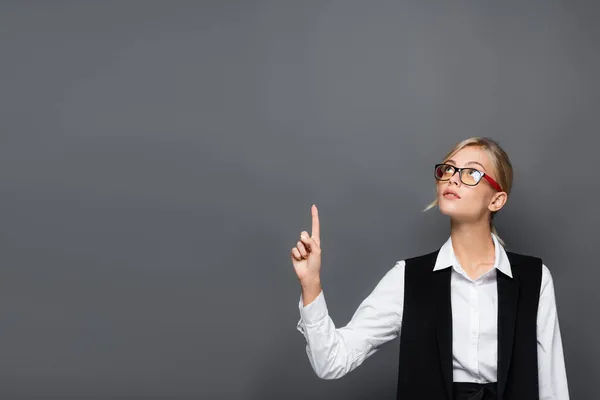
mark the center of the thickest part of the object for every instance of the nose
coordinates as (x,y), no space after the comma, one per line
(455,178)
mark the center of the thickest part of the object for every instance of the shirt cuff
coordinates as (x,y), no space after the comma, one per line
(315,311)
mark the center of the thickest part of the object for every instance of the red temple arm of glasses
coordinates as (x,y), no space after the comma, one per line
(492,182)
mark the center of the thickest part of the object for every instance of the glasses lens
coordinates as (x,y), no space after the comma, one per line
(470,176)
(443,172)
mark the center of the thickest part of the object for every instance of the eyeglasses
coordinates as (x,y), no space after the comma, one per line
(468,176)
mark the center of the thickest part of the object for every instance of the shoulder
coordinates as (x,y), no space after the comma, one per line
(546,277)
(418,265)
(392,279)
(525,264)
(523,259)
(530,263)
(411,263)
(427,259)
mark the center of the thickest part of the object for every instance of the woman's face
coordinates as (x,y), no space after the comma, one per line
(471,203)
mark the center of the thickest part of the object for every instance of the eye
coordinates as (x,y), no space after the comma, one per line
(475,174)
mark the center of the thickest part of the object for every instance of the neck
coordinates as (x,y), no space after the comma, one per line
(473,246)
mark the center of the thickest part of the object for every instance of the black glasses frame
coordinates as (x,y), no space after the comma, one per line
(460,172)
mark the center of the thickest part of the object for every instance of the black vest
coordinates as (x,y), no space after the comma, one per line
(425,368)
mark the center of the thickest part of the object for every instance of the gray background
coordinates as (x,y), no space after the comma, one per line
(158,161)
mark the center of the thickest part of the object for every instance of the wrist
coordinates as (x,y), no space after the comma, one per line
(312,284)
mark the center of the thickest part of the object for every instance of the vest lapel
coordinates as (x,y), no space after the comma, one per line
(508,296)
(443,318)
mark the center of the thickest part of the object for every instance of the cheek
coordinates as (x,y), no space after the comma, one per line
(440,188)
(475,200)
(472,196)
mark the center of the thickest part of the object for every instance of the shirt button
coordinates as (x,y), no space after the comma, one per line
(474,332)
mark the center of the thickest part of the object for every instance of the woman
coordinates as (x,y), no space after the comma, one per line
(474,320)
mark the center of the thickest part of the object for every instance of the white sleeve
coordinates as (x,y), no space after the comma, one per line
(551,364)
(333,352)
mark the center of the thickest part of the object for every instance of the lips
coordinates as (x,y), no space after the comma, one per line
(450,194)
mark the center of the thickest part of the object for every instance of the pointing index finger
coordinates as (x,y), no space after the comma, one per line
(316,231)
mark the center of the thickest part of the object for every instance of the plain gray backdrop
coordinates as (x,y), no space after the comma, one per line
(158,160)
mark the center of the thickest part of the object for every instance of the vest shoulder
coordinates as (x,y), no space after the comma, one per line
(522,259)
(427,260)
(526,267)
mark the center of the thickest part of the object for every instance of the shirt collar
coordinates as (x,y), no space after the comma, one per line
(446,257)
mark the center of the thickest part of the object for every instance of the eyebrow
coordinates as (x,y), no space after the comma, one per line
(470,162)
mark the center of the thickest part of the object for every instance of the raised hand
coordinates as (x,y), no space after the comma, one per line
(306,256)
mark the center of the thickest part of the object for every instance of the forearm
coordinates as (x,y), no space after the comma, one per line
(332,352)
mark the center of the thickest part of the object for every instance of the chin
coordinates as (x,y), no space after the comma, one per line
(451,208)
(457,211)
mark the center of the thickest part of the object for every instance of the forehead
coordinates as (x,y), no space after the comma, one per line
(471,153)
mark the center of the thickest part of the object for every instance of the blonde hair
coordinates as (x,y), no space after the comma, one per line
(500,161)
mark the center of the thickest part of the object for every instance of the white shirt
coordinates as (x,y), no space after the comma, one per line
(334,352)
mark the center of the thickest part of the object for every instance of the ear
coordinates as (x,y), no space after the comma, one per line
(498,201)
